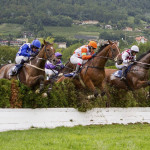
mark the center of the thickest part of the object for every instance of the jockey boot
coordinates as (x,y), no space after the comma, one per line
(16,69)
(76,71)
(123,77)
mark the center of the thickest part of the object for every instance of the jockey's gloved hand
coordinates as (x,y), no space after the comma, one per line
(93,55)
(57,67)
(33,55)
(132,60)
(62,66)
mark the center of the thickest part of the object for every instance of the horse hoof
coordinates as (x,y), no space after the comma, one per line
(90,97)
(95,94)
(107,104)
(103,93)
(44,95)
(37,91)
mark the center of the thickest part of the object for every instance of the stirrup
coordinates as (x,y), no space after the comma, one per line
(75,74)
(12,73)
(123,78)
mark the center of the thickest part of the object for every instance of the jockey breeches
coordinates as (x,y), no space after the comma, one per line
(120,66)
(50,72)
(20,58)
(75,60)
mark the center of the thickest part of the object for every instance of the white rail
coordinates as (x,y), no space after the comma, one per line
(19,119)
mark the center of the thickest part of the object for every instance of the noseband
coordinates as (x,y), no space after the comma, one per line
(48,57)
(113,57)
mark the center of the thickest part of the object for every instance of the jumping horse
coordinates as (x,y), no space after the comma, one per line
(32,73)
(137,77)
(93,72)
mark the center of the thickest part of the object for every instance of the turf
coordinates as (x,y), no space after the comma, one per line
(101,137)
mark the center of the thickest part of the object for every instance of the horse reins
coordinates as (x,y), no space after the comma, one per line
(147,66)
(105,58)
(41,59)
(114,58)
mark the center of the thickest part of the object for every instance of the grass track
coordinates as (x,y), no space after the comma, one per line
(102,137)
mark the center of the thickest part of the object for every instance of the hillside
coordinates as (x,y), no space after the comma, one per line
(63,12)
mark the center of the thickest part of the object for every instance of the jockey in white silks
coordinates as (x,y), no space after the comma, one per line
(82,54)
(128,56)
(51,69)
(26,51)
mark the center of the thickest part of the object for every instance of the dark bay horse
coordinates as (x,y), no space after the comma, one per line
(33,72)
(138,76)
(93,72)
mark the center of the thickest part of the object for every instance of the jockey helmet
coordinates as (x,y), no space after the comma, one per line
(36,43)
(92,44)
(57,54)
(135,48)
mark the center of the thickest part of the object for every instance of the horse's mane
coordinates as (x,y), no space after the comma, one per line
(142,55)
(102,47)
(46,43)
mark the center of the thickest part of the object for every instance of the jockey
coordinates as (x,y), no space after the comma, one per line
(26,51)
(52,70)
(128,56)
(82,54)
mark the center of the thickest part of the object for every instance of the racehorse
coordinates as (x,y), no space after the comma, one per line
(33,72)
(137,77)
(93,73)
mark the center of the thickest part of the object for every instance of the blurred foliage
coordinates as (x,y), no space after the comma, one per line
(66,95)
(7,53)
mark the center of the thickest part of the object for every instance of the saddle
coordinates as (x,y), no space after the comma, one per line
(118,73)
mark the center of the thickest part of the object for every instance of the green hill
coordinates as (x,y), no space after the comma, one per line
(63,12)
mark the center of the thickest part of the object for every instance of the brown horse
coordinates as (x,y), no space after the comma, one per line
(32,73)
(136,78)
(93,73)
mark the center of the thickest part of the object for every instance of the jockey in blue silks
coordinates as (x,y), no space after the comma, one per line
(26,51)
(51,69)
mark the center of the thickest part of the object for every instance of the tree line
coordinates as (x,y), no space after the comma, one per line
(41,13)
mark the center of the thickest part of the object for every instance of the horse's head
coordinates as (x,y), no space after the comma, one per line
(114,51)
(47,52)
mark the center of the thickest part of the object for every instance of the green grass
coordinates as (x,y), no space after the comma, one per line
(67,32)
(70,32)
(6,29)
(101,137)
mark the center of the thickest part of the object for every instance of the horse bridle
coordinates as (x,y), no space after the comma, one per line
(102,68)
(48,58)
(113,58)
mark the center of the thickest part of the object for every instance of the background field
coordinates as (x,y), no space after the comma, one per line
(67,32)
(101,137)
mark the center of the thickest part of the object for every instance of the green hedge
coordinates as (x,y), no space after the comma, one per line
(16,95)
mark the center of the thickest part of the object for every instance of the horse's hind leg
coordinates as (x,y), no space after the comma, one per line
(32,81)
(50,87)
(41,78)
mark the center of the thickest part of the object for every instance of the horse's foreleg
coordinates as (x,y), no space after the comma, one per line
(91,87)
(142,84)
(33,81)
(61,79)
(104,90)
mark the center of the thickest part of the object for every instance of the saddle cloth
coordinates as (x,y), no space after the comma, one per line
(69,74)
(118,73)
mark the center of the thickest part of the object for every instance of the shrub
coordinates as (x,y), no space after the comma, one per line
(5,93)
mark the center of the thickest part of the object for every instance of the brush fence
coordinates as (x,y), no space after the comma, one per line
(20,119)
